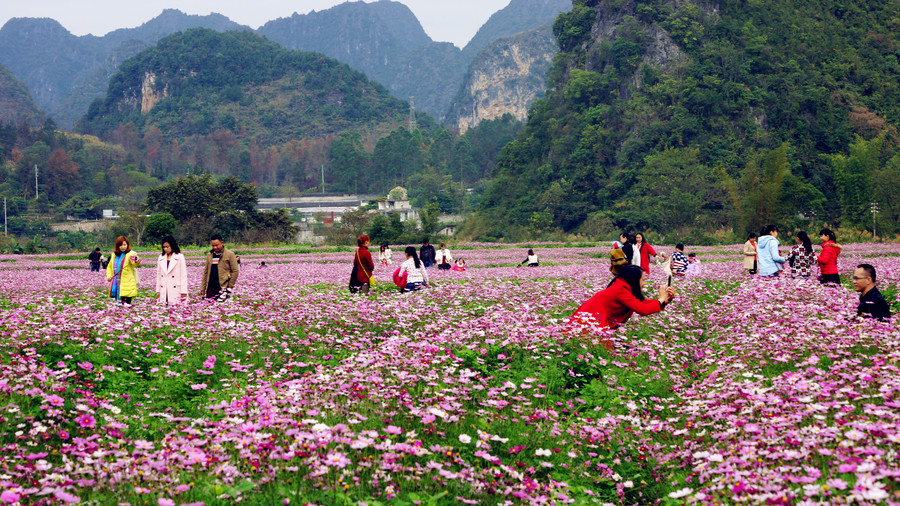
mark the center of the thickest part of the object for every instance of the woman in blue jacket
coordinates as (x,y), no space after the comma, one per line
(768,260)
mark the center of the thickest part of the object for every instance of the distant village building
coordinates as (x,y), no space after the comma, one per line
(397,203)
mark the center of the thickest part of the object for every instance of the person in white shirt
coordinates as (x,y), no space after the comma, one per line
(385,255)
(531,260)
(443,258)
(413,270)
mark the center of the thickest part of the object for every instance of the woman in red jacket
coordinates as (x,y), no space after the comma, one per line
(827,260)
(363,267)
(646,252)
(623,297)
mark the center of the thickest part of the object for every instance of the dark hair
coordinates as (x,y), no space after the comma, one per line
(383,247)
(679,246)
(361,240)
(829,233)
(751,236)
(96,249)
(769,229)
(411,253)
(425,241)
(692,255)
(216,237)
(172,244)
(870,271)
(119,241)
(804,238)
(643,237)
(530,252)
(629,238)
(631,274)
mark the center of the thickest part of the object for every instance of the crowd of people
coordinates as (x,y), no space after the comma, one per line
(630,261)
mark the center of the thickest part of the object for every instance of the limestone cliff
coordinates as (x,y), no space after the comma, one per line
(505,78)
(149,94)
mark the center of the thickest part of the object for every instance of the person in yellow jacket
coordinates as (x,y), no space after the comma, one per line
(121,272)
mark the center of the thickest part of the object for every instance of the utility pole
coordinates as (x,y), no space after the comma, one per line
(4,217)
(35,181)
(323,178)
(875,211)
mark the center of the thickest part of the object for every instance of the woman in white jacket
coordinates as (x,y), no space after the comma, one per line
(171,274)
(443,258)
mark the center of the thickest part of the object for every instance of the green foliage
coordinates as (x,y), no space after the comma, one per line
(159,225)
(573,28)
(429,218)
(201,196)
(240,82)
(749,118)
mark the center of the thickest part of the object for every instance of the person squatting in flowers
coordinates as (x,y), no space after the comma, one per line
(612,307)
(413,270)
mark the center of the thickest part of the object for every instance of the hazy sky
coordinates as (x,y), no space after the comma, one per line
(453,21)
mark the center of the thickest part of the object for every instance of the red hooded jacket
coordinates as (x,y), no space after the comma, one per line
(828,257)
(615,305)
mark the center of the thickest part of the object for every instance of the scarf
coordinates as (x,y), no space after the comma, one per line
(118,265)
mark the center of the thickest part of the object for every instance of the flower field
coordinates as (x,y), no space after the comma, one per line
(475,391)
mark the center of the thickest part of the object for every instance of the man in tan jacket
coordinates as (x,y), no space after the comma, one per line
(220,273)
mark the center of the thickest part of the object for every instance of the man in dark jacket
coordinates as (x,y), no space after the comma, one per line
(871,302)
(427,254)
(94,258)
(220,273)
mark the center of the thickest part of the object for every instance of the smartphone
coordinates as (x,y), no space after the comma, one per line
(670,281)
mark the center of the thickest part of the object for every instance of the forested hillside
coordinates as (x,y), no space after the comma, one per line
(16,104)
(676,116)
(66,72)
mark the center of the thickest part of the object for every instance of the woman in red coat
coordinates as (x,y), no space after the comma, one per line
(827,260)
(623,297)
(646,252)
(363,267)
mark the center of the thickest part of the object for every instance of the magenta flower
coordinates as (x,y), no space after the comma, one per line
(393,429)
(87,366)
(162,501)
(86,421)
(9,496)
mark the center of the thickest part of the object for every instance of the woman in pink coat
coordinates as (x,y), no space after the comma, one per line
(171,274)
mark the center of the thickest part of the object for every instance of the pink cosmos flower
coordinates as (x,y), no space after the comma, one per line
(393,429)
(66,497)
(162,501)
(198,386)
(428,419)
(337,459)
(140,444)
(9,496)
(87,366)
(55,400)
(837,483)
(87,421)
(64,434)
